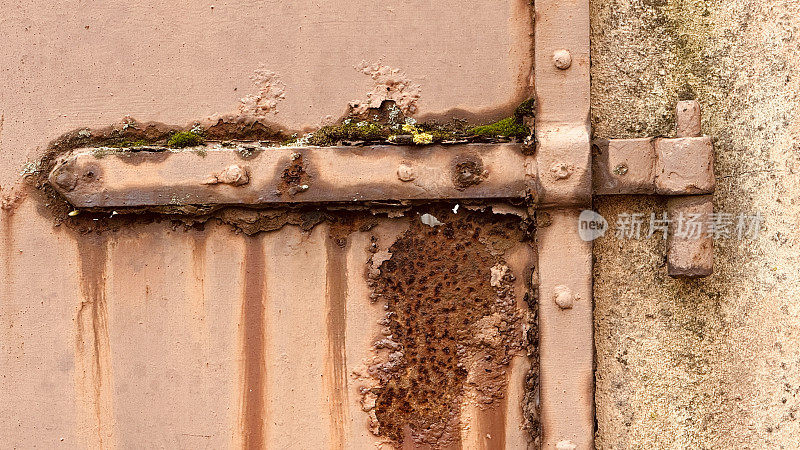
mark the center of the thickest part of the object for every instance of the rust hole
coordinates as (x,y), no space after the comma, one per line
(468,171)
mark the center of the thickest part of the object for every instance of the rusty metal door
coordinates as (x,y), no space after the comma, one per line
(237,294)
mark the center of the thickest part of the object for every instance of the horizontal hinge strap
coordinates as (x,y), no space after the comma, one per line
(256,175)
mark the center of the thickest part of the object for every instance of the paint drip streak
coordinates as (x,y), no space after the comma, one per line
(92,351)
(336,373)
(254,346)
(198,271)
(8,251)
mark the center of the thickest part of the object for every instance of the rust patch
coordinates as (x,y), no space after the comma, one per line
(344,223)
(92,347)
(244,128)
(336,321)
(530,402)
(468,171)
(294,178)
(253,329)
(452,325)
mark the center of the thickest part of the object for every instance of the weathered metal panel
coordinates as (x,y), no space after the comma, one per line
(158,337)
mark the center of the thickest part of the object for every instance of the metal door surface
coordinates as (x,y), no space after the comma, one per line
(321,326)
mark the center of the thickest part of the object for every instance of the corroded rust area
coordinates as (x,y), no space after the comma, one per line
(451,327)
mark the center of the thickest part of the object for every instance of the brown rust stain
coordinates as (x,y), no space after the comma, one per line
(92,343)
(450,333)
(294,178)
(8,249)
(253,329)
(199,273)
(467,170)
(336,321)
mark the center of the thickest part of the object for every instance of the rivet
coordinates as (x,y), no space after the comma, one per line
(406,173)
(563,297)
(561,171)
(233,175)
(562,59)
(66,180)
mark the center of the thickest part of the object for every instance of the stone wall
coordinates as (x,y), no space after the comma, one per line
(711,363)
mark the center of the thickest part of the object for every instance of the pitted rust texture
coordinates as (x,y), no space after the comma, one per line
(451,327)
(294,178)
(468,171)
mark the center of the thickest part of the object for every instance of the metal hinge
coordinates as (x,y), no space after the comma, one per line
(681,168)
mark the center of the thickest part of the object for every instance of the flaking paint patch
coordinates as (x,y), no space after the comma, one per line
(390,84)
(253,330)
(93,375)
(271,90)
(336,360)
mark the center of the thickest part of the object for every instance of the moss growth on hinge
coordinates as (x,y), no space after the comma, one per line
(181,139)
(349,131)
(507,127)
(525,109)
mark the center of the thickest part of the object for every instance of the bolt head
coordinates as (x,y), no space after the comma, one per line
(406,173)
(561,171)
(621,169)
(562,59)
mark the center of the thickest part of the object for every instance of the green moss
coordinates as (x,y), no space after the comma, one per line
(349,131)
(101,152)
(525,109)
(507,127)
(127,143)
(183,139)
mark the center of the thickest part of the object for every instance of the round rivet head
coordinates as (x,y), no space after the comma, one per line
(66,180)
(406,173)
(563,297)
(562,59)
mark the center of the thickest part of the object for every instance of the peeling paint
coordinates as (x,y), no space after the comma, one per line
(271,90)
(390,84)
